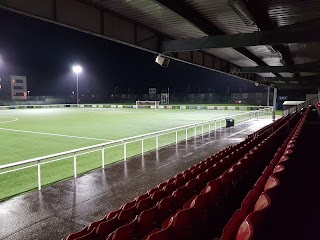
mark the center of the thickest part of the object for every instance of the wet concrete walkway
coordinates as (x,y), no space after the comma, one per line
(68,206)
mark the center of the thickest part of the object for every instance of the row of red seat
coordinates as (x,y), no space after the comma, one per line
(202,215)
(248,221)
(147,212)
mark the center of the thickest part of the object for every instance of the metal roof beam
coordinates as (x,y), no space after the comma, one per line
(312,78)
(293,86)
(185,11)
(272,37)
(306,67)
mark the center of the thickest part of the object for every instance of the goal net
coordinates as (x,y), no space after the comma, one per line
(147,104)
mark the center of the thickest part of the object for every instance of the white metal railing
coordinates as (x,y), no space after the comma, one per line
(102,105)
(38,161)
(300,106)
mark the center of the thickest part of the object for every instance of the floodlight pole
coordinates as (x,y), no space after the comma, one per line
(268,96)
(77,89)
(274,104)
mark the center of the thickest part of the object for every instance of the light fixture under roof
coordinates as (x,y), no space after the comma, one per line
(241,9)
(271,49)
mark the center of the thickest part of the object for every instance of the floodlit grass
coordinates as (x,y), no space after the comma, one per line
(30,133)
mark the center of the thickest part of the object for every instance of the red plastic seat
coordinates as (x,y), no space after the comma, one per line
(147,221)
(211,173)
(143,204)
(113,214)
(253,227)
(143,196)
(271,182)
(202,180)
(95,224)
(231,228)
(107,227)
(182,225)
(165,208)
(127,215)
(162,185)
(181,195)
(78,234)
(279,168)
(179,175)
(157,196)
(187,176)
(169,188)
(171,180)
(179,182)
(89,236)
(163,234)
(151,191)
(128,205)
(192,186)
(126,232)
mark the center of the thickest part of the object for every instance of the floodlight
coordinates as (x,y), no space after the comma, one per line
(240,8)
(77,69)
(162,60)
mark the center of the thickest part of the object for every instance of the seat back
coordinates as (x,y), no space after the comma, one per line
(126,232)
(107,227)
(147,221)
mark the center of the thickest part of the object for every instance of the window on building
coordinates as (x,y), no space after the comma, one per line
(258,95)
(19,94)
(245,95)
(210,95)
(191,95)
(17,81)
(18,87)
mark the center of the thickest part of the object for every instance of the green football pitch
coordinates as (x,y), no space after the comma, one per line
(30,133)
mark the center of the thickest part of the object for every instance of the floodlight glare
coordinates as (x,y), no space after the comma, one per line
(77,69)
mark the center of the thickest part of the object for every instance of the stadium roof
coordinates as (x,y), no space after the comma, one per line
(273,42)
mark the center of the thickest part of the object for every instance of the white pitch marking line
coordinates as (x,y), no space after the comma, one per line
(53,134)
(13,119)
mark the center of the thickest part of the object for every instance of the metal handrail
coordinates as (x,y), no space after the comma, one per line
(124,142)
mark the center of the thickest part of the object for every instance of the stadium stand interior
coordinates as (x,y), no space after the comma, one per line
(251,190)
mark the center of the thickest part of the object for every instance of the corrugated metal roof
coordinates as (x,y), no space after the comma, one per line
(222,15)
(305,52)
(293,11)
(231,55)
(272,59)
(153,15)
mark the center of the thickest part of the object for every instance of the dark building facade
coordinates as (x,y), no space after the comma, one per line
(5,89)
(258,98)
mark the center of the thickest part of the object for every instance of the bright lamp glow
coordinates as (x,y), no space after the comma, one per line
(77,69)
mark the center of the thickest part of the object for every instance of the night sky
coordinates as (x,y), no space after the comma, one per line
(45,53)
